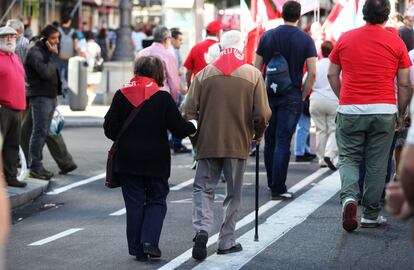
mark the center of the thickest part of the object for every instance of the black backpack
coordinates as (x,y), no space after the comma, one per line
(278,81)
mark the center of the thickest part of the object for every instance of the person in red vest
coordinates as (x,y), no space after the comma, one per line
(368,108)
(12,103)
(195,60)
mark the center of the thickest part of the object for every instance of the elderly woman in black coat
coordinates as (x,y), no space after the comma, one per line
(143,159)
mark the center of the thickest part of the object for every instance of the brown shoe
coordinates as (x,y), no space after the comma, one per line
(16,183)
(236,248)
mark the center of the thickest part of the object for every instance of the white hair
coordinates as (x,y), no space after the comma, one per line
(16,25)
(212,54)
(232,39)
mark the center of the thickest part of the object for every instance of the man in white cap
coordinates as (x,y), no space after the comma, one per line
(12,102)
(228,99)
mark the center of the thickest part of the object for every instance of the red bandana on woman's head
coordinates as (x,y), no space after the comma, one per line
(230,59)
(139,89)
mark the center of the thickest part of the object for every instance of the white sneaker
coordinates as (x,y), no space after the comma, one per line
(373,223)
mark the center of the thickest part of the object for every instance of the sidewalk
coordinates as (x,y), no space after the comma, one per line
(93,116)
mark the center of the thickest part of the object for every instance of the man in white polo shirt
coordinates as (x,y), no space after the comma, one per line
(369,57)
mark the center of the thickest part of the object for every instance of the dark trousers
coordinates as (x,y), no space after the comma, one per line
(278,136)
(55,143)
(42,109)
(146,207)
(10,121)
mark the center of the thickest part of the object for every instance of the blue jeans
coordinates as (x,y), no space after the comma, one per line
(285,115)
(63,72)
(42,112)
(302,135)
(146,207)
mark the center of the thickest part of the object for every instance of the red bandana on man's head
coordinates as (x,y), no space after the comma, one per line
(230,59)
(139,89)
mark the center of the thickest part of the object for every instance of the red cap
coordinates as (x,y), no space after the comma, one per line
(214,27)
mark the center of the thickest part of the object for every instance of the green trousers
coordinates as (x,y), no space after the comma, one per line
(369,138)
(55,144)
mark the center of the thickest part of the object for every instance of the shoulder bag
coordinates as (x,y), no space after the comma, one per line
(111,181)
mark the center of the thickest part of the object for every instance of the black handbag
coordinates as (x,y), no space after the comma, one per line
(111,181)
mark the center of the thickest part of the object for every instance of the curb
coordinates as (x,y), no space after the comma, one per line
(83,122)
(21,196)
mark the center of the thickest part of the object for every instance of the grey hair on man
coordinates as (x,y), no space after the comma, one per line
(16,25)
(232,39)
(161,33)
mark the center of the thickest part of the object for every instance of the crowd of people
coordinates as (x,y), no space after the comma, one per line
(356,90)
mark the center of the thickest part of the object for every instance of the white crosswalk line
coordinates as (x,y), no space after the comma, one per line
(77,184)
(275,226)
(119,212)
(55,237)
(246,220)
(182,185)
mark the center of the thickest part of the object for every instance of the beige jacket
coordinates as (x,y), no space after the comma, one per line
(229,111)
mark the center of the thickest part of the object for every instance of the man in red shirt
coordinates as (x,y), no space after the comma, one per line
(370,58)
(195,60)
(12,102)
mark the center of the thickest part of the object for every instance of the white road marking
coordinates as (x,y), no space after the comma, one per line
(254,173)
(55,237)
(119,212)
(276,226)
(244,221)
(181,166)
(182,185)
(77,184)
(290,163)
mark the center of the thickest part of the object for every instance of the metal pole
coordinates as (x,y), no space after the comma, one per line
(47,11)
(53,10)
(256,220)
(123,49)
(21,7)
(7,11)
(75,8)
(29,8)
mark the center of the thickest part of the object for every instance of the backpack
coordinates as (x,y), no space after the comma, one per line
(66,43)
(278,81)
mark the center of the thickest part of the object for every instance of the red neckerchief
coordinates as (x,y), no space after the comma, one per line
(230,59)
(139,89)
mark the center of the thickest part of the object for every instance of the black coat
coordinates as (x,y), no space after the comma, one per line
(42,74)
(143,148)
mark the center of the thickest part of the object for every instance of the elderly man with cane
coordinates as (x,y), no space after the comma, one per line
(229,101)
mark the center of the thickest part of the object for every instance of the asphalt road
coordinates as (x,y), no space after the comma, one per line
(83,227)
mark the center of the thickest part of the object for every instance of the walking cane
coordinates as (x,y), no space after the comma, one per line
(256,228)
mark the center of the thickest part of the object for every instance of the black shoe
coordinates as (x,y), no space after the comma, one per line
(142,258)
(41,174)
(253,152)
(194,165)
(152,251)
(236,248)
(304,158)
(310,155)
(328,162)
(200,245)
(16,183)
(182,150)
(68,169)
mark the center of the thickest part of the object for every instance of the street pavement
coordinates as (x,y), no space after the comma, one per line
(80,224)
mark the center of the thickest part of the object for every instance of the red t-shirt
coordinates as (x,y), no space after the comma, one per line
(12,94)
(195,60)
(369,57)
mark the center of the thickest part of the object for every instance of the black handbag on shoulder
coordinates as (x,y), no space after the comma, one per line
(111,181)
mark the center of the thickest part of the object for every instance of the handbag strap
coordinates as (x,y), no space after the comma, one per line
(128,121)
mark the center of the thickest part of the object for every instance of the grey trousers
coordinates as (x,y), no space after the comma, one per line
(205,181)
